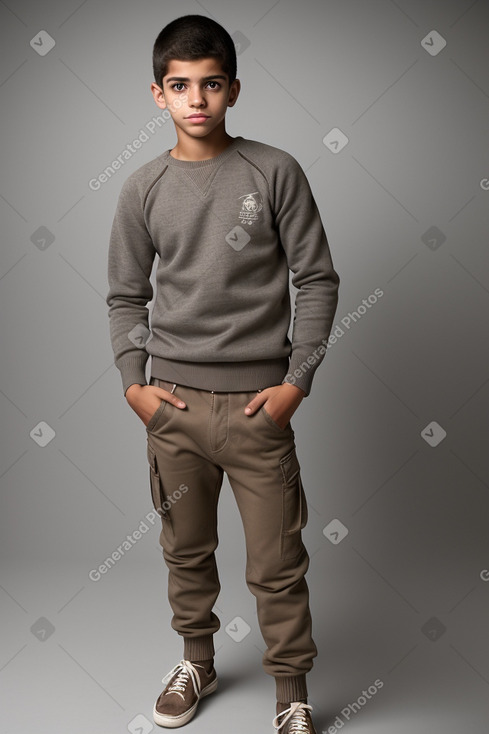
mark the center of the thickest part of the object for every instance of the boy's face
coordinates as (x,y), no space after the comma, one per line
(197,95)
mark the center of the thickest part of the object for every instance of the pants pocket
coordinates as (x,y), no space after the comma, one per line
(157,495)
(270,420)
(294,506)
(162,412)
(151,425)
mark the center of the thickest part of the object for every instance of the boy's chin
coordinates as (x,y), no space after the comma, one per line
(199,132)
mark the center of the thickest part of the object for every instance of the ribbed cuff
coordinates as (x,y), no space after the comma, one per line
(198,648)
(291,688)
(133,370)
(301,376)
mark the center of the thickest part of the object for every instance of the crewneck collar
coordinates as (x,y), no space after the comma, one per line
(216,160)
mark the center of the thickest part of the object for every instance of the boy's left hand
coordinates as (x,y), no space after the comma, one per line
(280,401)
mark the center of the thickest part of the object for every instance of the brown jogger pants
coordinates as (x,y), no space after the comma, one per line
(188,452)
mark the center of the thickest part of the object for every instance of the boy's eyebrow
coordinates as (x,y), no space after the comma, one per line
(204,78)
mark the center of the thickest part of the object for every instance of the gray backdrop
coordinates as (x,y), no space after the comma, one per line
(385,105)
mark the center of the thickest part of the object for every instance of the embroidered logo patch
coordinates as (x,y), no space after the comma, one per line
(250,206)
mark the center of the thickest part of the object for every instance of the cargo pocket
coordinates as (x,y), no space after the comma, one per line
(157,495)
(294,506)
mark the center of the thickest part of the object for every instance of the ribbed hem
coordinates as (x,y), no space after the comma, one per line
(291,688)
(221,376)
(198,648)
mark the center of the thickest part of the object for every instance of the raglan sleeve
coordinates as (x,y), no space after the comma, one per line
(130,260)
(304,240)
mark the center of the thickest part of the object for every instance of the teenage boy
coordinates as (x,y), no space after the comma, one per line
(228,218)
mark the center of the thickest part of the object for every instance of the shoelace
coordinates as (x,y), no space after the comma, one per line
(184,671)
(296,714)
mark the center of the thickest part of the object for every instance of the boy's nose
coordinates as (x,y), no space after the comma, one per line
(196,97)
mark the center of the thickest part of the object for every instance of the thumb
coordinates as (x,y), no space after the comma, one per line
(170,398)
(256,403)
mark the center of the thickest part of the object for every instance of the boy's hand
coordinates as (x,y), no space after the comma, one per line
(146,399)
(280,401)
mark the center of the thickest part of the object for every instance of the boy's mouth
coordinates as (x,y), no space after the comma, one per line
(198,116)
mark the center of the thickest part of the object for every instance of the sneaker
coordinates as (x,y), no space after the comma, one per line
(295,720)
(185,685)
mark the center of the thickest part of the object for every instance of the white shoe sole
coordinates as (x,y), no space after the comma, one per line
(173,722)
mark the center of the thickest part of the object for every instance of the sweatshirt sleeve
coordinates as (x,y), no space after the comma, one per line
(308,255)
(130,261)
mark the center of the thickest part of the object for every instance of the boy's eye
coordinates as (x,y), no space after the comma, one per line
(215,85)
(178,87)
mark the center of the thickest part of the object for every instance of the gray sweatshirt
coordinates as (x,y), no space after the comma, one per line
(226,230)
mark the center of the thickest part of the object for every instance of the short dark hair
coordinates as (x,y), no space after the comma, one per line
(193,37)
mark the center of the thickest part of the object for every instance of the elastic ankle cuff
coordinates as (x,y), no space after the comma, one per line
(198,648)
(291,688)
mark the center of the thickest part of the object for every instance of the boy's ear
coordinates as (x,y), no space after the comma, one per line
(234,90)
(158,95)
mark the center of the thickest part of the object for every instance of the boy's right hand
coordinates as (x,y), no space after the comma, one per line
(146,399)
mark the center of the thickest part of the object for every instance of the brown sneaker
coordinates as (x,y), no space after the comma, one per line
(295,720)
(185,685)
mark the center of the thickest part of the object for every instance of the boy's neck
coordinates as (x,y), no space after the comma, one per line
(200,149)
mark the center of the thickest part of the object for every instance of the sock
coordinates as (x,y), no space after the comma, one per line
(283,706)
(206,664)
